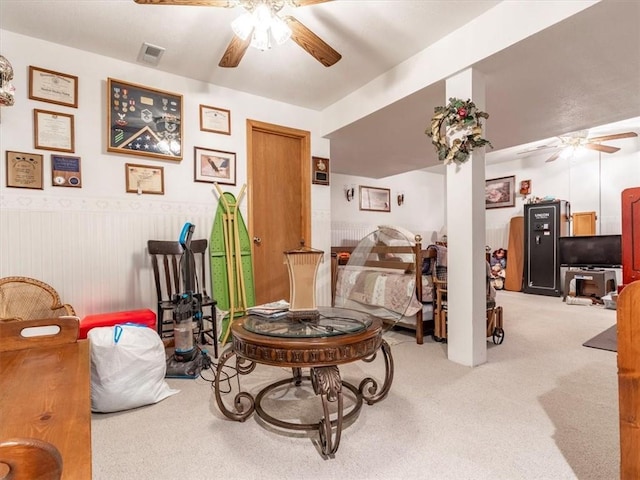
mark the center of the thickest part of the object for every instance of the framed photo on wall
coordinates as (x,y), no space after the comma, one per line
(65,171)
(214,119)
(320,168)
(500,192)
(53,131)
(24,170)
(214,166)
(375,199)
(144,179)
(53,87)
(143,121)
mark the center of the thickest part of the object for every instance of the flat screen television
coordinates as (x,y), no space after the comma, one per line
(592,251)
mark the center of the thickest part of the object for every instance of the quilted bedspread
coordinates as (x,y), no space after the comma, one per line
(381,288)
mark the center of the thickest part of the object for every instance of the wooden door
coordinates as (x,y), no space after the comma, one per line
(584,223)
(279,169)
(630,235)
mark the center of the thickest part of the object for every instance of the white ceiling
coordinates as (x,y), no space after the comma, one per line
(581,73)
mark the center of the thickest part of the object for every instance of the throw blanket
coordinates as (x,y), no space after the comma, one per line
(388,289)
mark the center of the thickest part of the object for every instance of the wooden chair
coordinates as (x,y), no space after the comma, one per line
(494,312)
(165,260)
(24,298)
(30,459)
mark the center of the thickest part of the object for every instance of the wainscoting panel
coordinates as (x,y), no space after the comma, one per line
(93,252)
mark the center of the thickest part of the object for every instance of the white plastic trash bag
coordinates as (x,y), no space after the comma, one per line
(128,365)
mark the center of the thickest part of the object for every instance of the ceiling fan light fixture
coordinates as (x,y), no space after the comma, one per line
(261,39)
(280,30)
(261,23)
(243,25)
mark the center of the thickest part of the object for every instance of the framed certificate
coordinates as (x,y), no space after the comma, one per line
(53,131)
(144,179)
(53,87)
(24,170)
(214,119)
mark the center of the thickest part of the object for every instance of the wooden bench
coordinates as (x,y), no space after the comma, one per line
(45,389)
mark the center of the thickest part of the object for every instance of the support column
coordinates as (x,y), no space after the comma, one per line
(466,285)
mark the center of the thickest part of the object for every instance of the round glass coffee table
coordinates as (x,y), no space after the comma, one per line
(322,342)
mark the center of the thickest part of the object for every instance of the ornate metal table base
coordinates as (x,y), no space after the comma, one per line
(326,383)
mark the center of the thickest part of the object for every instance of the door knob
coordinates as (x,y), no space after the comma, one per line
(257,240)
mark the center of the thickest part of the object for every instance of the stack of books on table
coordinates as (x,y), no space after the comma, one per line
(270,310)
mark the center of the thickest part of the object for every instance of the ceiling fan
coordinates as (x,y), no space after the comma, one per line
(260,24)
(581,139)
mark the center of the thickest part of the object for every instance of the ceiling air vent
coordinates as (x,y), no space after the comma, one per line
(150,54)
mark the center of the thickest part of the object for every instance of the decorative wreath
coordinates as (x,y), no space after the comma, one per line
(460,120)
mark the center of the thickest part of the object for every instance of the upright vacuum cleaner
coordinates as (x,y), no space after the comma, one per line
(187,360)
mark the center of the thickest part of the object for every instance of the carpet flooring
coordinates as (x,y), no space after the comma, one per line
(607,340)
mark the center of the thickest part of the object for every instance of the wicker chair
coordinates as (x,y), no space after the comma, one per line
(23,298)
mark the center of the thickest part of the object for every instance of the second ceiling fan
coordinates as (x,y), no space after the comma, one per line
(259,24)
(581,139)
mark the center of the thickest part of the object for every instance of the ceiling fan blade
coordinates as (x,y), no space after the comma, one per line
(313,44)
(553,157)
(537,149)
(234,52)
(616,136)
(201,3)
(601,148)
(304,3)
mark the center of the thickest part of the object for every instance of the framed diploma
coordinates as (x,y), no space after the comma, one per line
(143,121)
(53,87)
(65,171)
(144,179)
(214,119)
(24,170)
(53,131)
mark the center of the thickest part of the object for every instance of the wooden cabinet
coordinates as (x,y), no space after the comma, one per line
(630,235)
(584,223)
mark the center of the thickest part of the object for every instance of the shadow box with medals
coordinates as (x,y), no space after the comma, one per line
(144,121)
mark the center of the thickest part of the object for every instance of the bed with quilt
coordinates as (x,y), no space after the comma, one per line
(383,275)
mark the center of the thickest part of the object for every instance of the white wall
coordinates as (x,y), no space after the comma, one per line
(90,243)
(579,179)
(588,182)
(422,212)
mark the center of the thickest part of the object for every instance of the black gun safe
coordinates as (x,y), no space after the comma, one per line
(544,223)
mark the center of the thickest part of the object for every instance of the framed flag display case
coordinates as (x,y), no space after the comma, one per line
(144,121)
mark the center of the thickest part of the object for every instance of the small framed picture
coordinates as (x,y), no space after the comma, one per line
(214,166)
(320,171)
(53,87)
(214,119)
(144,179)
(525,187)
(53,131)
(24,170)
(65,171)
(375,199)
(500,192)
